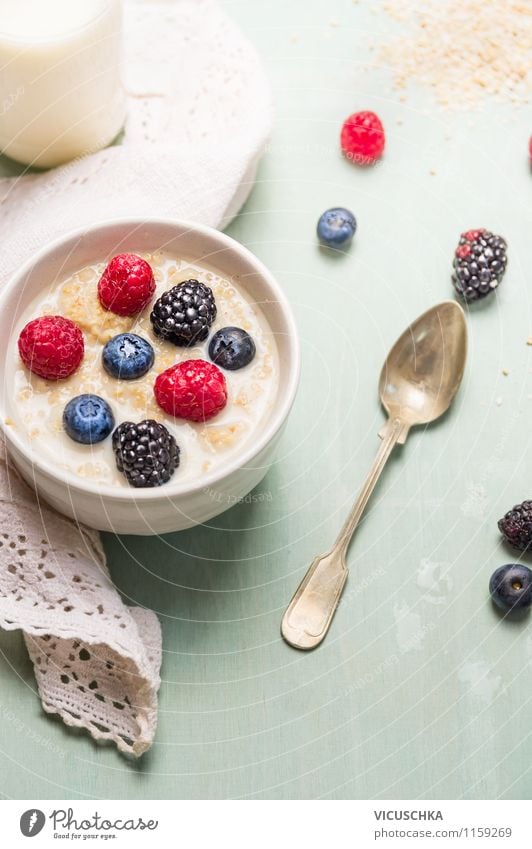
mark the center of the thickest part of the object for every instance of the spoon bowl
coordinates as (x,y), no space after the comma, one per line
(423,370)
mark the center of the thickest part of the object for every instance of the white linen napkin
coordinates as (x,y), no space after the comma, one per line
(200,114)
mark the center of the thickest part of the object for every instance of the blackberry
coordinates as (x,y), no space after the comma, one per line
(146,453)
(183,314)
(479,264)
(516,526)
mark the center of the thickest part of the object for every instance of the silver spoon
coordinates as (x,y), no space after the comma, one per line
(418,382)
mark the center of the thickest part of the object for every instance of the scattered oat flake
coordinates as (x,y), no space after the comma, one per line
(529,340)
(498,401)
(462,49)
(505,372)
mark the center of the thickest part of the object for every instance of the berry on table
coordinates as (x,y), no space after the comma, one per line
(184,314)
(51,347)
(194,389)
(511,587)
(336,227)
(88,419)
(232,348)
(479,264)
(127,285)
(127,356)
(516,526)
(362,138)
(146,453)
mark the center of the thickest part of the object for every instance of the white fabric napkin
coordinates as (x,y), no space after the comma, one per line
(200,114)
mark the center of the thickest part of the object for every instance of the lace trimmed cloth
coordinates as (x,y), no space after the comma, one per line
(96,661)
(199,117)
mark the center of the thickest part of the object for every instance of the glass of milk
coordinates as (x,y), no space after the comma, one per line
(61,93)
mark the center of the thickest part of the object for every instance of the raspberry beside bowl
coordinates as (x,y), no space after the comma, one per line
(175,505)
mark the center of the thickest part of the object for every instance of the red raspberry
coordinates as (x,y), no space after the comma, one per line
(127,285)
(362,138)
(51,346)
(194,390)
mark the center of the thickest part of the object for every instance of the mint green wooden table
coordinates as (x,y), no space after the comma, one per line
(420,690)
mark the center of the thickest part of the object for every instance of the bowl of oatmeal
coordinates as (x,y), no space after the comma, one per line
(149,369)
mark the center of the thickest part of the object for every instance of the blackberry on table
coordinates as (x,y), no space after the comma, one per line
(479,264)
(516,526)
(184,314)
(146,453)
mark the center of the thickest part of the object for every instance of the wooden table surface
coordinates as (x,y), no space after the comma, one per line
(421,690)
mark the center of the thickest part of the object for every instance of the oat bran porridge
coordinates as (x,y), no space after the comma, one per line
(237,362)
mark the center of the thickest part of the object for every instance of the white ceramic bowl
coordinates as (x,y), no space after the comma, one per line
(173,506)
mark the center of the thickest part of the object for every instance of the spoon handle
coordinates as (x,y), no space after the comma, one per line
(391,433)
(314,603)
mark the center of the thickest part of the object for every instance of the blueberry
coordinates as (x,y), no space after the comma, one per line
(336,227)
(127,356)
(88,419)
(231,348)
(511,587)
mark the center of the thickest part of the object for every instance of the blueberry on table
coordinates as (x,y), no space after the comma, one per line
(127,356)
(511,587)
(336,227)
(88,419)
(231,348)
